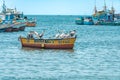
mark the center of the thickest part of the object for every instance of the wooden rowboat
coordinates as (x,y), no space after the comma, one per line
(30,24)
(63,43)
(67,43)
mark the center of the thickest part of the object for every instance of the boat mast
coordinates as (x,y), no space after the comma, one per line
(105,7)
(112,9)
(95,8)
(4,7)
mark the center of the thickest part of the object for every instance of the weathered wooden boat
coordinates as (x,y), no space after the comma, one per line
(30,24)
(55,43)
(67,43)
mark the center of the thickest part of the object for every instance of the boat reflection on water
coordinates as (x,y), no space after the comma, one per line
(48,50)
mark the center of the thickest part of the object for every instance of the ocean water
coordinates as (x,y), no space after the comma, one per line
(96,53)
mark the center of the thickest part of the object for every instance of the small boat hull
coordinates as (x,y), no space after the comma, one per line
(22,28)
(3,27)
(15,29)
(2,30)
(30,24)
(8,29)
(67,43)
(88,23)
(79,21)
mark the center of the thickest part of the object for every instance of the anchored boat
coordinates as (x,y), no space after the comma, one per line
(30,24)
(11,20)
(101,17)
(61,41)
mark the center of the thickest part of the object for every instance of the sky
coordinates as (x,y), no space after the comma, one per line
(60,7)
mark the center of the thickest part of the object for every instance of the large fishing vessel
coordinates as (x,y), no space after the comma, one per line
(102,17)
(105,16)
(9,19)
(61,41)
(16,20)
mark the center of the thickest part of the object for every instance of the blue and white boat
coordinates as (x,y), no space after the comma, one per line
(88,21)
(102,17)
(8,18)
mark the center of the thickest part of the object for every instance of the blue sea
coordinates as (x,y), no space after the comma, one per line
(95,56)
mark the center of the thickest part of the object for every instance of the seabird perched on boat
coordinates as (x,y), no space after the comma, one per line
(72,33)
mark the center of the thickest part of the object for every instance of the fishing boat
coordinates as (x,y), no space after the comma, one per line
(11,20)
(13,15)
(59,42)
(8,29)
(4,27)
(106,16)
(30,24)
(14,27)
(88,21)
(102,17)
(79,21)
(20,26)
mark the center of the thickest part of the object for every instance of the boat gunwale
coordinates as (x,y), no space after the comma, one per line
(47,38)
